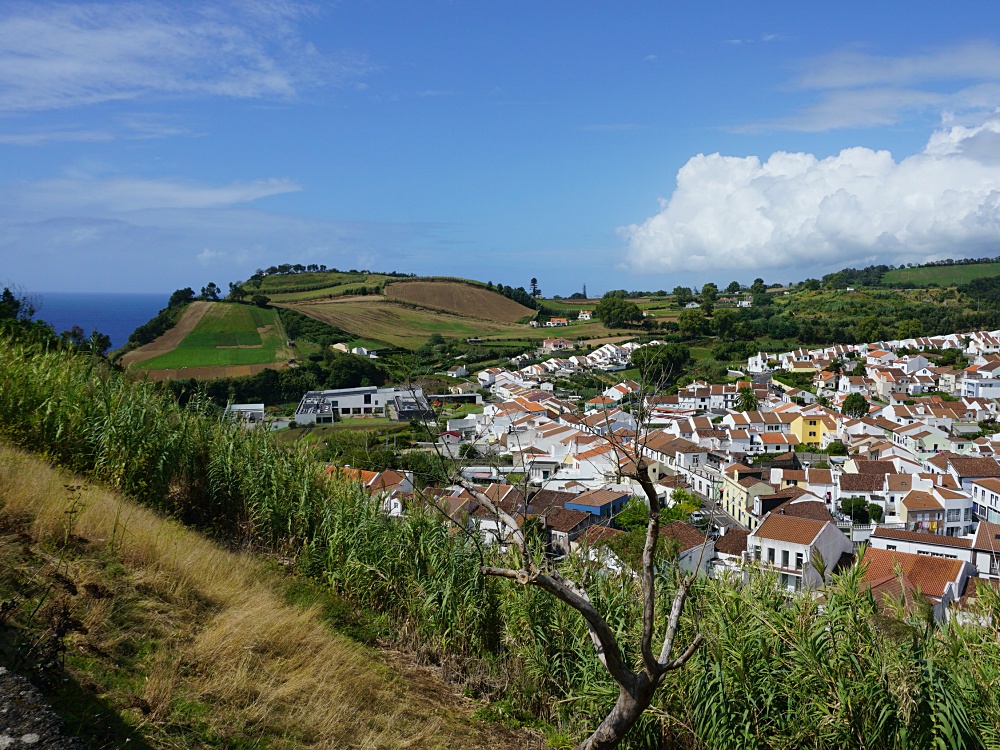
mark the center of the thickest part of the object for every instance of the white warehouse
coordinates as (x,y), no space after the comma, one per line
(324,407)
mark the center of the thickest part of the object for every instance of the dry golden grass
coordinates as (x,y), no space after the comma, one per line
(225,637)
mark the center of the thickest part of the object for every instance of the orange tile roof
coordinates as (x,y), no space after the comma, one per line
(930,574)
(686,535)
(918,500)
(991,484)
(921,537)
(784,528)
(987,537)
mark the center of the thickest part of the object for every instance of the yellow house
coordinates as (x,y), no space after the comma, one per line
(740,485)
(810,428)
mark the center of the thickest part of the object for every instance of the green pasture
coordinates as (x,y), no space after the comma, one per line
(226,325)
(941,275)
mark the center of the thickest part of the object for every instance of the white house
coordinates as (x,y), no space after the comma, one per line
(788,545)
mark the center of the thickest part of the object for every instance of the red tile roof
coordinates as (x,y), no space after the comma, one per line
(918,500)
(686,534)
(785,528)
(733,542)
(930,574)
(921,538)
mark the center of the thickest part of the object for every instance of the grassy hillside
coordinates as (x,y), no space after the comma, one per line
(941,275)
(382,320)
(396,325)
(227,335)
(171,641)
(465,299)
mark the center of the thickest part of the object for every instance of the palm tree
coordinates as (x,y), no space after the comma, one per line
(746,399)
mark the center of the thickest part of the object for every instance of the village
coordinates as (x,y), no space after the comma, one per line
(782,480)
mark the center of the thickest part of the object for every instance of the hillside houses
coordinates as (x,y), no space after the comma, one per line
(912,475)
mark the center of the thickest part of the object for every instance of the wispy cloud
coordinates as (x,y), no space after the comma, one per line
(610,127)
(123,194)
(42,138)
(765,38)
(972,61)
(130,128)
(56,55)
(854,89)
(100,233)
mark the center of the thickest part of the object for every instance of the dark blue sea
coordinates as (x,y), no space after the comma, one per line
(116,315)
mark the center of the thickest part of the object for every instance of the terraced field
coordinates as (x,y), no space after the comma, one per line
(227,335)
(376,318)
(464,299)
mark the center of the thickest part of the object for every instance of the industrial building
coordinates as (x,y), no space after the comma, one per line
(325,407)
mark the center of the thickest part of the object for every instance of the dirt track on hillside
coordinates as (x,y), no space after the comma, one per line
(169,341)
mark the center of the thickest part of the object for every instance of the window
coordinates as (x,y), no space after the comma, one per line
(770,555)
(798,560)
(784,558)
(891,547)
(954,515)
(368,398)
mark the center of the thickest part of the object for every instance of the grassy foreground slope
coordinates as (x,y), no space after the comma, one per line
(171,641)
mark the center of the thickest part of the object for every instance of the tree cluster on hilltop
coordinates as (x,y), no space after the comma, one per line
(519,295)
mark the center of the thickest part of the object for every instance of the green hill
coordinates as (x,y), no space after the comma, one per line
(940,275)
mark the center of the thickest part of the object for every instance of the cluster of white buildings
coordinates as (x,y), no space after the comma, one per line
(913,485)
(916,463)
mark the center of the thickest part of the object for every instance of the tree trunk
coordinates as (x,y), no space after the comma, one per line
(632,700)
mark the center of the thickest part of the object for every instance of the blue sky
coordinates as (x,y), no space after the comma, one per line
(641,145)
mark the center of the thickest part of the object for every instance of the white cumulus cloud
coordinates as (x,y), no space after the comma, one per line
(797,210)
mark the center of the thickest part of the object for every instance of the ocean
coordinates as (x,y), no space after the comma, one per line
(116,315)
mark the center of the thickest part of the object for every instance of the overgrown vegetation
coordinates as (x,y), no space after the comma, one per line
(144,634)
(774,672)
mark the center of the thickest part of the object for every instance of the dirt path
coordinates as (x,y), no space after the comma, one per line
(169,341)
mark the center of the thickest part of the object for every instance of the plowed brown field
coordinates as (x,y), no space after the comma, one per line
(464,299)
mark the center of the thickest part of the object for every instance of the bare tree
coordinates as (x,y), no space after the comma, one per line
(636,683)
